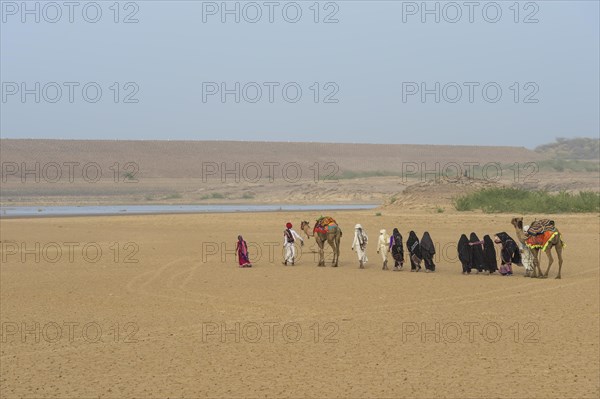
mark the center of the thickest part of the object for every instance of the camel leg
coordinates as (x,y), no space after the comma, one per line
(321,257)
(550,260)
(560,258)
(331,242)
(321,253)
(539,265)
(336,251)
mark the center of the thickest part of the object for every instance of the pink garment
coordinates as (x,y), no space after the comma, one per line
(242,251)
(506,269)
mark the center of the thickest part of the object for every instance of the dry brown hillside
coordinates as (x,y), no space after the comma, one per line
(184,159)
(61,172)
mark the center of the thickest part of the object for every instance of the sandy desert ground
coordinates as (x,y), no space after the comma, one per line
(192,324)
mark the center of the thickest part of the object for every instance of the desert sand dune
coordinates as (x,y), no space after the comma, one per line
(363,332)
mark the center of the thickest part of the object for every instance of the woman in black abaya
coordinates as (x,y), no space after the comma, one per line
(412,244)
(397,249)
(476,252)
(489,254)
(464,254)
(509,253)
(428,251)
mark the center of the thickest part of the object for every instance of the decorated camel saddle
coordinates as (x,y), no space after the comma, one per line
(540,233)
(324,224)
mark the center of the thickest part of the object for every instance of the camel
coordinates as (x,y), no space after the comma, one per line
(333,237)
(556,242)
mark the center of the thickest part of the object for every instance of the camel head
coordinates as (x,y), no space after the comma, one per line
(517,222)
(305,227)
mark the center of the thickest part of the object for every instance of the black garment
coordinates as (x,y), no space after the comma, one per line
(412,244)
(464,253)
(428,251)
(289,236)
(489,254)
(397,248)
(510,252)
(476,253)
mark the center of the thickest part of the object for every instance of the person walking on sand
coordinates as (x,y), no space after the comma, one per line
(428,252)
(289,237)
(397,250)
(242,252)
(360,243)
(489,255)
(414,249)
(464,254)
(383,247)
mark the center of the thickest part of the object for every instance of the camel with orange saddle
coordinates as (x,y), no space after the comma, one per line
(326,230)
(541,235)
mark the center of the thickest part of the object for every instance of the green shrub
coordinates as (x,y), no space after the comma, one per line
(496,200)
(561,165)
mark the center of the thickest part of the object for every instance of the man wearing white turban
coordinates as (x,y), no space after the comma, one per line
(383,247)
(360,244)
(526,255)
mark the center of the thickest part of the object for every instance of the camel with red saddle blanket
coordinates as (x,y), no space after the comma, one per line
(541,235)
(326,230)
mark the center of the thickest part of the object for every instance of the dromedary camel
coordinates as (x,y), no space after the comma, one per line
(333,237)
(556,242)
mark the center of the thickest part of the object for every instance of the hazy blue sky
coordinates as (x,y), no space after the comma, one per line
(372,60)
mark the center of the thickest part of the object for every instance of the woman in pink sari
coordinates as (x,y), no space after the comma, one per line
(242,251)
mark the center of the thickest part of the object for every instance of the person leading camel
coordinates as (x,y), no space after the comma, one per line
(526,254)
(289,237)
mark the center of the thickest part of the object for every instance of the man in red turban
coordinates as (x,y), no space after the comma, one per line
(289,237)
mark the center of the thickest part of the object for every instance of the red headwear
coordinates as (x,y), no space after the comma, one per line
(288,225)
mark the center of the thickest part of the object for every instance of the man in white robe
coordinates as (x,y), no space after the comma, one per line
(289,237)
(360,244)
(383,247)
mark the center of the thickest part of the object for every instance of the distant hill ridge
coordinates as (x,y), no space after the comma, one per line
(576,148)
(184,159)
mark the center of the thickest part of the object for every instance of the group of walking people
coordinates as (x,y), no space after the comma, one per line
(419,251)
(473,253)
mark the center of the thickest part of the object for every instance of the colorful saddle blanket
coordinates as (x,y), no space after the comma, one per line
(541,240)
(540,227)
(324,224)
